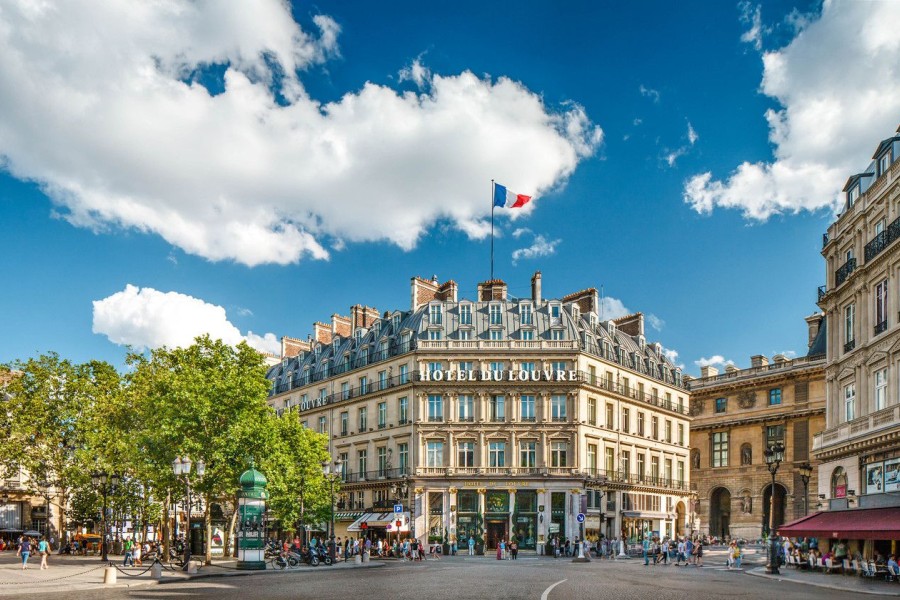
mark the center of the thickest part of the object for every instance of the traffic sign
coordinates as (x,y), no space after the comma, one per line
(364,525)
(398,508)
(580,518)
(399,523)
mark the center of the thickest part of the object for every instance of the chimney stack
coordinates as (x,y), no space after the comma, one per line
(759,360)
(340,325)
(494,289)
(813,322)
(708,371)
(322,332)
(291,347)
(536,288)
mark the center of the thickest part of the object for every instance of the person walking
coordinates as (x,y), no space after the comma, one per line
(24,551)
(471,546)
(645,550)
(699,552)
(500,550)
(44,549)
(514,549)
(129,552)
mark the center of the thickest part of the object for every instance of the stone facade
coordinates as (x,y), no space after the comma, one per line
(736,416)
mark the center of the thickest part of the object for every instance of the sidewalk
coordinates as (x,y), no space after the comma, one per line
(78,573)
(847,583)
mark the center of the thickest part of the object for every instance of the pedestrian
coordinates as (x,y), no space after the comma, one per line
(44,549)
(698,550)
(514,549)
(137,552)
(500,550)
(471,546)
(735,555)
(129,553)
(24,551)
(645,550)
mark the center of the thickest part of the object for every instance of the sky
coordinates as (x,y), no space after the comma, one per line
(245,169)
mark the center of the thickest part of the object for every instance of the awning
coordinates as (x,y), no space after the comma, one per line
(859,524)
(347,516)
(386,520)
(636,514)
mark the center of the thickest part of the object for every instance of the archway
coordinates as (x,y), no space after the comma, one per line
(679,519)
(780,497)
(720,512)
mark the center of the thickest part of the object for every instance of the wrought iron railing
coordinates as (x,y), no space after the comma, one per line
(639,479)
(841,275)
(881,327)
(848,346)
(881,241)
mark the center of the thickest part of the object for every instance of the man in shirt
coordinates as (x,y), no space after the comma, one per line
(129,552)
(645,549)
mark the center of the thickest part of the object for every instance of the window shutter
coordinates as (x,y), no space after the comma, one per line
(801,440)
(801,393)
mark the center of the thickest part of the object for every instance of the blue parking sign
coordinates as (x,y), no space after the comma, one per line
(398,508)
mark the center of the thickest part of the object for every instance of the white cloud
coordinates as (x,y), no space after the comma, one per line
(692,134)
(637,122)
(714,360)
(655,322)
(672,355)
(787,353)
(673,155)
(752,16)
(416,72)
(649,93)
(99,104)
(612,308)
(148,318)
(838,85)
(540,246)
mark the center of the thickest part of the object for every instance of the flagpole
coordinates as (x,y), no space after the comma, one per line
(492,229)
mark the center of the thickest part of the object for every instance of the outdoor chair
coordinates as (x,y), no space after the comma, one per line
(892,575)
(833,565)
(845,566)
(869,569)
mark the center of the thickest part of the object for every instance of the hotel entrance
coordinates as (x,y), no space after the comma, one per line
(497,529)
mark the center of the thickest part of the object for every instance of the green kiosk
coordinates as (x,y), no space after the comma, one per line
(251,534)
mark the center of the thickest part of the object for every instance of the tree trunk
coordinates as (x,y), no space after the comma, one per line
(63,530)
(166,534)
(230,532)
(208,519)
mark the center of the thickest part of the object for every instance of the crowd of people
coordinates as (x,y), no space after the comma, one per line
(28,546)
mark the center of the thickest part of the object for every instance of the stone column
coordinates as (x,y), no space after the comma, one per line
(481,458)
(451,457)
(542,452)
(512,512)
(512,462)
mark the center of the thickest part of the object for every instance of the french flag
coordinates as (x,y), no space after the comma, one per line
(503,198)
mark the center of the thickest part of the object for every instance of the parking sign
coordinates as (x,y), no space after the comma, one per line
(398,508)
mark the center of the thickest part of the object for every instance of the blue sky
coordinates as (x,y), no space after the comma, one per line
(251,173)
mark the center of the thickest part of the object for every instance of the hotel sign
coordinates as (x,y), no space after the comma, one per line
(511,375)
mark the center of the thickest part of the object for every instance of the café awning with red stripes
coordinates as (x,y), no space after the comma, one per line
(859,524)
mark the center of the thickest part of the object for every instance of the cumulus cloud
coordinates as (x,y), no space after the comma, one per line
(612,308)
(540,246)
(102,105)
(416,72)
(148,318)
(655,322)
(714,360)
(787,353)
(649,93)
(838,86)
(751,16)
(672,355)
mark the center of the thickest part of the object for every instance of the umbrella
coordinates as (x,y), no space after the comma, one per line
(32,533)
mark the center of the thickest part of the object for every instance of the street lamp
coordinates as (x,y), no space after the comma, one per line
(332,476)
(106,483)
(774,455)
(805,469)
(181,467)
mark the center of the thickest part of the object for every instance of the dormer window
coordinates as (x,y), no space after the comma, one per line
(495,314)
(435,314)
(612,329)
(376,327)
(852,195)
(592,319)
(335,344)
(465,314)
(395,322)
(555,312)
(641,342)
(357,335)
(525,313)
(884,163)
(576,313)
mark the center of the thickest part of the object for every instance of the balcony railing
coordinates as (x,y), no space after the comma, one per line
(640,479)
(351,477)
(882,240)
(841,275)
(881,327)
(848,346)
(753,371)
(867,425)
(630,392)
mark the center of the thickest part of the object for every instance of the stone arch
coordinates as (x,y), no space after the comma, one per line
(746,454)
(679,518)
(839,483)
(720,512)
(781,494)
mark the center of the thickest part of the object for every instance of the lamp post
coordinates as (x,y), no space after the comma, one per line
(181,467)
(805,469)
(332,475)
(106,483)
(774,455)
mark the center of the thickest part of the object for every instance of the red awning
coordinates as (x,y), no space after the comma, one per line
(859,524)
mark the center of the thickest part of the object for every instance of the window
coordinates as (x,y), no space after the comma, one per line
(654,427)
(404,374)
(345,422)
(526,406)
(528,367)
(667,469)
(363,419)
(668,430)
(881,306)
(403,451)
(592,375)
(852,195)
(558,407)
(497,454)
(528,454)
(850,402)
(774,396)
(720,449)
(466,408)
(626,420)
(626,462)
(465,314)
(465,334)
(495,314)
(382,415)
(654,468)
(609,380)
(382,461)
(640,423)
(721,404)
(435,407)
(466,454)
(496,335)
(382,380)
(610,417)
(641,470)
(557,334)
(884,163)
(323,424)
(774,435)
(497,366)
(434,366)
(559,365)
(681,434)
(498,408)
(525,313)
(849,318)
(880,389)
(435,314)
(528,335)
(559,452)
(403,410)
(345,390)
(555,311)
(610,459)
(680,472)
(363,385)
(592,458)
(466,366)
(592,411)
(361,461)
(434,334)
(435,454)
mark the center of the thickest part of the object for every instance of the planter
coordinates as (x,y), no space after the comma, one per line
(479,549)
(446,549)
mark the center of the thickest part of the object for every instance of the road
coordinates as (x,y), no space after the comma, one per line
(461,578)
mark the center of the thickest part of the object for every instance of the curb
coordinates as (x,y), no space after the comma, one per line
(758,573)
(236,573)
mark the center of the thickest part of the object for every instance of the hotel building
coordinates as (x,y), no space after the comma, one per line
(495,417)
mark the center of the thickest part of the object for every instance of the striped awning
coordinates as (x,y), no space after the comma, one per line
(348,516)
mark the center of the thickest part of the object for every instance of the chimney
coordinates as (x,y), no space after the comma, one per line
(448,291)
(632,325)
(362,317)
(322,332)
(494,289)
(759,360)
(536,288)
(708,371)
(587,301)
(813,322)
(730,368)
(422,292)
(291,347)
(340,325)
(780,359)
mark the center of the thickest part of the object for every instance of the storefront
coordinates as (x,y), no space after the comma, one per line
(525,520)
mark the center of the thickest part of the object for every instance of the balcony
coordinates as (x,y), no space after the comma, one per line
(498,344)
(864,426)
(350,477)
(841,275)
(881,327)
(882,240)
(640,479)
(848,346)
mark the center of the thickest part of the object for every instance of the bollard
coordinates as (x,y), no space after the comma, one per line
(357,559)
(109,575)
(156,571)
(192,568)
(365,556)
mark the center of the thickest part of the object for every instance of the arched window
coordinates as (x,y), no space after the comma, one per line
(746,454)
(839,483)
